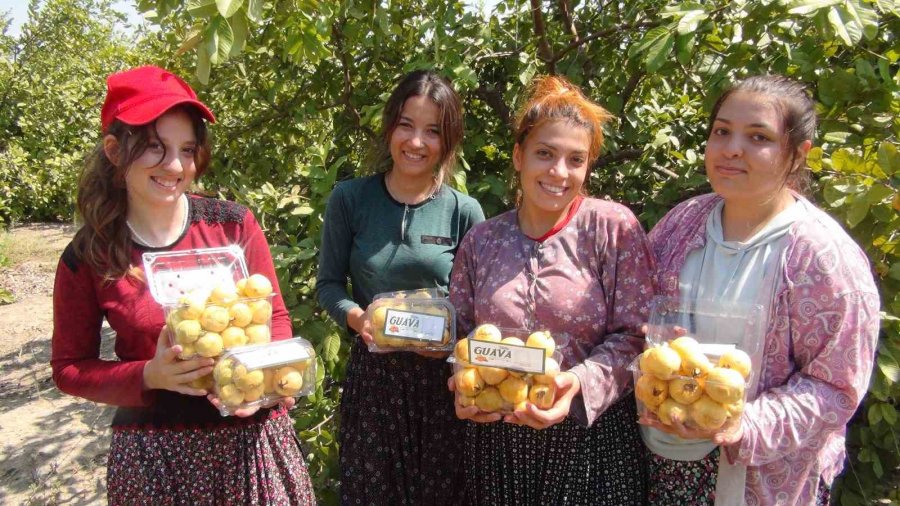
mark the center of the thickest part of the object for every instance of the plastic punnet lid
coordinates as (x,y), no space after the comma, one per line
(173,274)
(716,325)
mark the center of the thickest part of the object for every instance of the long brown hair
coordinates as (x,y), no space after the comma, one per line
(429,84)
(104,242)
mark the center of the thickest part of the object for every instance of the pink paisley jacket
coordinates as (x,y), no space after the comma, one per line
(818,357)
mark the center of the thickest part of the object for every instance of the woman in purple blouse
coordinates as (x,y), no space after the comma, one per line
(756,240)
(580,268)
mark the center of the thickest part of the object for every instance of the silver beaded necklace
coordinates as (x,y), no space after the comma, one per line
(184,223)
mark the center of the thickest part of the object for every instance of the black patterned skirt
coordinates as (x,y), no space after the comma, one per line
(257,463)
(401,443)
(565,464)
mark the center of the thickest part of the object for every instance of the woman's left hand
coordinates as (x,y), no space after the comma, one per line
(287,402)
(567,387)
(728,435)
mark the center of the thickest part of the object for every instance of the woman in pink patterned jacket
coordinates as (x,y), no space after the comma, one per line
(757,240)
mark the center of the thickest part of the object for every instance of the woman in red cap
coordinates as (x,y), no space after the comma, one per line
(169,444)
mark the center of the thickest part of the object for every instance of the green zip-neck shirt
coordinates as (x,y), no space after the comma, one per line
(382,245)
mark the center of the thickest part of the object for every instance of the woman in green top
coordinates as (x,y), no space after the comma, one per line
(401,442)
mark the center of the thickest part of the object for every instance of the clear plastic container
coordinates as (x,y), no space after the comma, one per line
(413,320)
(256,375)
(499,369)
(211,305)
(701,360)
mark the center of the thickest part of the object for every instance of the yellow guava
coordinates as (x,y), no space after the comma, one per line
(223,294)
(193,305)
(288,381)
(735,409)
(551,369)
(222,372)
(209,345)
(489,399)
(231,396)
(254,394)
(737,360)
(660,361)
(514,390)
(187,352)
(203,382)
(465,401)
(187,331)
(542,339)
(487,332)
(244,379)
(461,352)
(257,334)
(233,336)
(492,375)
(240,314)
(257,286)
(724,385)
(240,286)
(542,395)
(261,310)
(215,318)
(671,411)
(684,390)
(468,382)
(707,414)
(651,390)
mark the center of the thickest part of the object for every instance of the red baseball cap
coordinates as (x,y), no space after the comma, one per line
(140,95)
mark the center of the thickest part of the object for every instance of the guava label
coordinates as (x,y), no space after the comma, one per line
(268,356)
(507,356)
(414,326)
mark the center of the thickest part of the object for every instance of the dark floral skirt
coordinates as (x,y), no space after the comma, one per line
(675,482)
(566,464)
(401,443)
(258,463)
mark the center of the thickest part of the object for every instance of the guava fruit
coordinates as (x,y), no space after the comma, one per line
(513,390)
(233,336)
(707,414)
(671,411)
(660,361)
(288,381)
(551,369)
(231,396)
(542,339)
(222,372)
(461,352)
(224,294)
(737,360)
(684,390)
(651,390)
(193,305)
(261,310)
(542,395)
(215,318)
(187,331)
(469,382)
(487,332)
(492,375)
(254,394)
(465,401)
(257,334)
(489,399)
(240,314)
(244,379)
(257,286)
(724,385)
(209,345)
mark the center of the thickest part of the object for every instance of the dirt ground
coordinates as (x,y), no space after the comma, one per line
(54,446)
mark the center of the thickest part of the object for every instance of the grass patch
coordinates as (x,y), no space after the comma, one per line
(34,243)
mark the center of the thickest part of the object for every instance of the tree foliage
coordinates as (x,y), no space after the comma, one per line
(298,86)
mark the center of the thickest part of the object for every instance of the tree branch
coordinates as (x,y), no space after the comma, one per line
(618,156)
(602,33)
(543,47)
(347,94)
(567,19)
(494,98)
(630,86)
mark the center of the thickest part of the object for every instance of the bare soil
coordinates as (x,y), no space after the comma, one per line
(54,446)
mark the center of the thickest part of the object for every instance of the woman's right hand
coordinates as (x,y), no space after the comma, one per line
(470,412)
(165,372)
(356,320)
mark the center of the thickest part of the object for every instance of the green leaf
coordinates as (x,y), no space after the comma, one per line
(837,137)
(889,413)
(874,414)
(254,10)
(889,368)
(888,158)
(330,347)
(688,23)
(858,211)
(684,48)
(302,210)
(219,39)
(203,64)
(202,8)
(804,7)
(240,30)
(814,159)
(852,21)
(190,42)
(656,44)
(227,8)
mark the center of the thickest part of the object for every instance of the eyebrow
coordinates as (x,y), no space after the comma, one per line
(556,148)
(752,125)
(407,118)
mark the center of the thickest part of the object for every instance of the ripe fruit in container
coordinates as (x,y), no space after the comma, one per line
(660,361)
(257,286)
(231,396)
(240,314)
(187,331)
(257,334)
(737,360)
(514,390)
(288,381)
(240,286)
(461,352)
(487,332)
(469,382)
(651,390)
(187,351)
(233,336)
(542,339)
(269,380)
(684,390)
(222,372)
(193,305)
(465,401)
(244,379)
(224,295)
(489,399)
(735,409)
(215,318)
(209,345)
(671,411)
(725,385)
(551,369)
(693,362)
(254,394)
(492,375)
(203,382)
(261,310)
(707,414)
(542,395)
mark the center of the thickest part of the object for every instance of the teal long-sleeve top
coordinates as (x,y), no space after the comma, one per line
(381,245)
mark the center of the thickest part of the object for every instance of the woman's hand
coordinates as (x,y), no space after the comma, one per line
(728,435)
(470,412)
(287,402)
(165,372)
(567,387)
(356,320)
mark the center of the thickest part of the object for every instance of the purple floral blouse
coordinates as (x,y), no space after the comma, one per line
(819,348)
(589,284)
